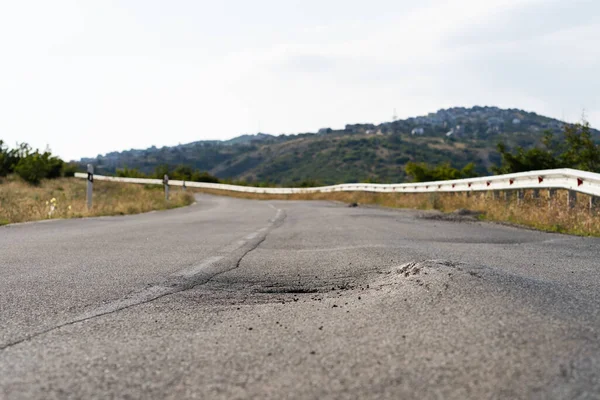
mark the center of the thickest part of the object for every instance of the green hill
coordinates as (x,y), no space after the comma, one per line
(357,153)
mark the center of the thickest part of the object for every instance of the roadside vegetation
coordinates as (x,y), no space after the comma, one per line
(421,172)
(185,173)
(32,165)
(66,198)
(543,213)
(36,187)
(180,172)
(573,148)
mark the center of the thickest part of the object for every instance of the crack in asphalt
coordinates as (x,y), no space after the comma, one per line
(167,291)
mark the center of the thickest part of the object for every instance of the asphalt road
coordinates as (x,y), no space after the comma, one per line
(252,299)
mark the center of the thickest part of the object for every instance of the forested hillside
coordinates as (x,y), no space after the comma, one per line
(357,153)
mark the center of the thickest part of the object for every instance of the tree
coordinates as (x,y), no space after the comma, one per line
(54,165)
(421,172)
(581,152)
(183,173)
(198,176)
(160,171)
(30,165)
(528,160)
(577,150)
(69,169)
(32,168)
(7,160)
(130,173)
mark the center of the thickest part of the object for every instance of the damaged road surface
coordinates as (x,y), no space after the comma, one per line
(235,298)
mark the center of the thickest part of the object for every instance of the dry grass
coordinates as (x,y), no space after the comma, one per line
(21,202)
(543,213)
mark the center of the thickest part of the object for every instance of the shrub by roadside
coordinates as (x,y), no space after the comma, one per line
(552,215)
(66,198)
(32,165)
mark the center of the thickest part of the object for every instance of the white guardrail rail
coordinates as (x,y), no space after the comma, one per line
(569,179)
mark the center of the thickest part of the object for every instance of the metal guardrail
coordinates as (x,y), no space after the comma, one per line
(568,179)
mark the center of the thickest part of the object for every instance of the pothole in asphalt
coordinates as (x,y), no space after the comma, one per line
(434,276)
(431,273)
(289,290)
(339,287)
(460,215)
(415,267)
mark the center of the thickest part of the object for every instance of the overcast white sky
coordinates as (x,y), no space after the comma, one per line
(89,77)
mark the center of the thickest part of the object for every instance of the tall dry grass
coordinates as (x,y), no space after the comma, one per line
(21,202)
(545,212)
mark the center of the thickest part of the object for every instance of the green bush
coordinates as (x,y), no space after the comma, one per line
(69,170)
(130,173)
(198,176)
(577,149)
(54,166)
(180,173)
(32,168)
(30,165)
(9,158)
(160,171)
(421,172)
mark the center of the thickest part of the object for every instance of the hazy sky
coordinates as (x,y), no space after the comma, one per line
(89,77)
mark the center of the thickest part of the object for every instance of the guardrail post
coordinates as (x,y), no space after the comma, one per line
(166,183)
(536,194)
(594,204)
(183,186)
(90,185)
(520,196)
(496,195)
(571,199)
(507,195)
(551,196)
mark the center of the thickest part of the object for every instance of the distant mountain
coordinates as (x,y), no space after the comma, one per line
(359,152)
